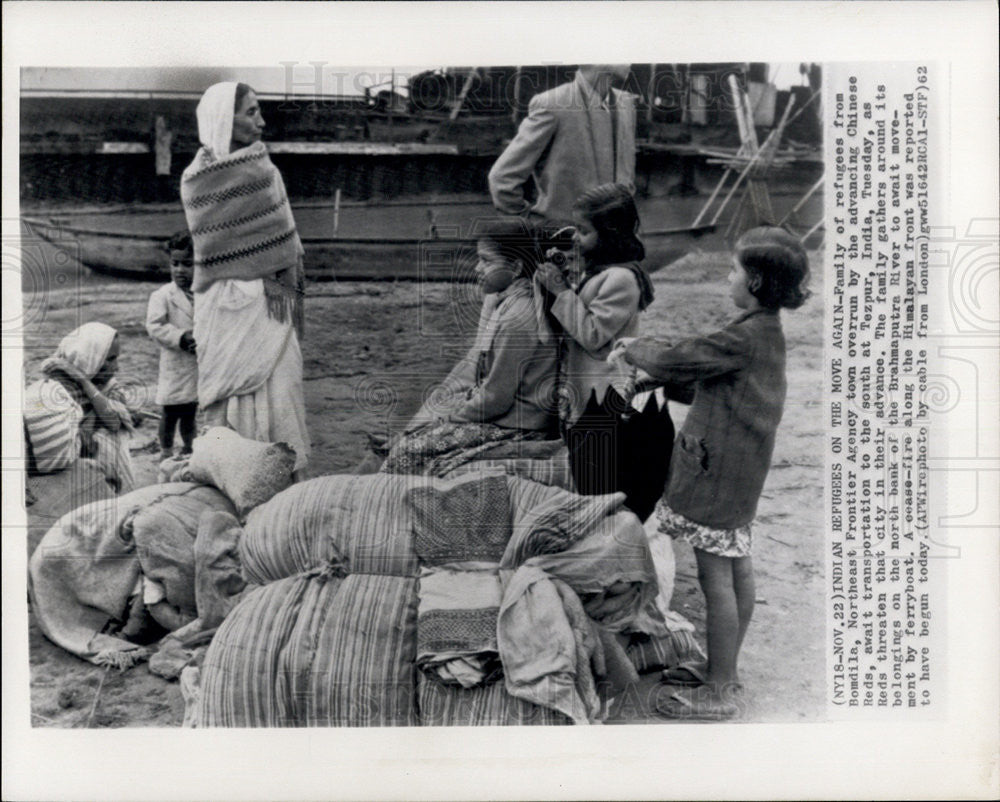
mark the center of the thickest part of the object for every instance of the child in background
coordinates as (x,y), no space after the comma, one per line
(723,452)
(169,321)
(601,309)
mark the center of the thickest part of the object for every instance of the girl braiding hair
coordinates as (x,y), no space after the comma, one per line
(601,309)
(611,210)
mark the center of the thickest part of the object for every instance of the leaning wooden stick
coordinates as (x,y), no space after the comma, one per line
(812,230)
(802,202)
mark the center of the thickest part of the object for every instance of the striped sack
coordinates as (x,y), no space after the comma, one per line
(358,522)
(315,650)
(242,226)
(364,523)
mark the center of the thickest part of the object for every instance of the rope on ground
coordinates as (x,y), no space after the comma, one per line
(97,696)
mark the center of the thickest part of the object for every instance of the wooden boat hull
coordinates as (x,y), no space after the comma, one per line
(144,256)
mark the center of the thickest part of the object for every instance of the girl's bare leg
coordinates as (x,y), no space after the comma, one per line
(746,591)
(715,575)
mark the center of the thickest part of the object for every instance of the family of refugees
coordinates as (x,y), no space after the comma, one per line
(558,361)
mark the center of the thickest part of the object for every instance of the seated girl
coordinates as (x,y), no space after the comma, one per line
(504,389)
(78,409)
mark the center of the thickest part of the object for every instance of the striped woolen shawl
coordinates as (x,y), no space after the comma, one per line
(241,223)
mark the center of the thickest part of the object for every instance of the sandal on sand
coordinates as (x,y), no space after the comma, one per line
(686,675)
(678,706)
(695,676)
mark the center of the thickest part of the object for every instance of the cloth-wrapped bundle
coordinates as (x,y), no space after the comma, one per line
(319,650)
(247,471)
(457,577)
(359,522)
(98,559)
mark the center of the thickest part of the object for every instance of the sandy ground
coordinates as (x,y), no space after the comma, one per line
(371,352)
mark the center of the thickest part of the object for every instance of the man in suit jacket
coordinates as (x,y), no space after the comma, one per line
(576,136)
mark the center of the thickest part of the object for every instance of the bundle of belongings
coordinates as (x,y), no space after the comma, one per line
(111,575)
(510,597)
(484,598)
(102,570)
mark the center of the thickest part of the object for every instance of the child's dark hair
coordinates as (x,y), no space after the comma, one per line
(513,238)
(181,241)
(242,90)
(776,265)
(611,210)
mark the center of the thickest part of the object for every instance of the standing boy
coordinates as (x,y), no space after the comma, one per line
(169,321)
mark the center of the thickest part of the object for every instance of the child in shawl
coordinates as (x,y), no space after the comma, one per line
(513,365)
(78,409)
(248,279)
(169,320)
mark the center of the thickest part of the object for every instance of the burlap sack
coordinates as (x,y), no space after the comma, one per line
(247,471)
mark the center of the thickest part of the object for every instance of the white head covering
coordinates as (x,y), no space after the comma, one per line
(215,118)
(87,347)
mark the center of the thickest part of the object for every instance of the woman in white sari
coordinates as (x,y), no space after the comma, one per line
(77,409)
(248,281)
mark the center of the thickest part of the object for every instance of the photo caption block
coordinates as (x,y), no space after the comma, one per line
(880,571)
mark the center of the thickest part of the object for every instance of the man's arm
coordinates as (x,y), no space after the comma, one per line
(514,166)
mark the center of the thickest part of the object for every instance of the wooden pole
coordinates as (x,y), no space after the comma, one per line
(802,202)
(465,92)
(812,230)
(517,96)
(746,171)
(712,197)
(650,89)
(734,92)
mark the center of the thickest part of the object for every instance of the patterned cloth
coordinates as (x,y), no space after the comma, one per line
(439,447)
(238,212)
(723,542)
(461,530)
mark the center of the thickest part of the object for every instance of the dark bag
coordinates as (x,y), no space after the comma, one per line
(646,443)
(614,447)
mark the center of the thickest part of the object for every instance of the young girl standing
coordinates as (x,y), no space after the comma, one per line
(723,451)
(603,308)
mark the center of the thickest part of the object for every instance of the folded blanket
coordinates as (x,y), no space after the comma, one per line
(570,563)
(457,622)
